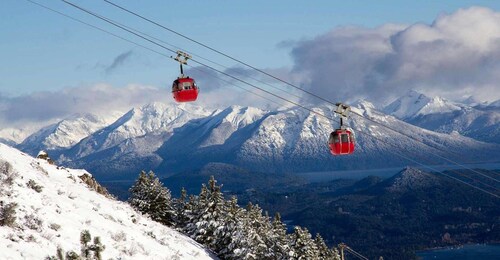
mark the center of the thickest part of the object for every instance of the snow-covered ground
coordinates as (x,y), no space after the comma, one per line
(65,206)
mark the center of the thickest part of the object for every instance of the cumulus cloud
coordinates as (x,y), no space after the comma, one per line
(457,55)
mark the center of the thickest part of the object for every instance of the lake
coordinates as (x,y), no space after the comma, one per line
(482,252)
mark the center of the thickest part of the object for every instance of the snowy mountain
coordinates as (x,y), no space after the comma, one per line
(416,104)
(292,140)
(14,136)
(173,138)
(481,122)
(54,205)
(64,134)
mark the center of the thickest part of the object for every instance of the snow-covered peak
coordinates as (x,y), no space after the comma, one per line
(54,206)
(408,105)
(363,106)
(65,133)
(242,116)
(223,124)
(438,105)
(495,104)
(414,104)
(156,117)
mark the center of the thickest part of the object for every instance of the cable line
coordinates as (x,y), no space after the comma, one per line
(296,87)
(145,47)
(277,96)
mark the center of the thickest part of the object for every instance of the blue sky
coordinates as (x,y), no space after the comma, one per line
(43,51)
(52,67)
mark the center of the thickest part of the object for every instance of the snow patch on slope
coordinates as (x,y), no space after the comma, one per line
(55,216)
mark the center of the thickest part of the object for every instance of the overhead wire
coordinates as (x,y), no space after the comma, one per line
(268,92)
(299,88)
(284,99)
(145,47)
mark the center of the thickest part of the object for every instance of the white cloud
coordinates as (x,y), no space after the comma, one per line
(100,99)
(457,55)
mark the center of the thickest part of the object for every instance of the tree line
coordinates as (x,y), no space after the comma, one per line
(230,231)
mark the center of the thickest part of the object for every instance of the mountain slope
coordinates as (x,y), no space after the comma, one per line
(54,215)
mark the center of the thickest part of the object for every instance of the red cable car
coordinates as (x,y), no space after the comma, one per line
(184,89)
(342,140)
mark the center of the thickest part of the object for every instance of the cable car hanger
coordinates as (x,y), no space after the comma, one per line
(184,88)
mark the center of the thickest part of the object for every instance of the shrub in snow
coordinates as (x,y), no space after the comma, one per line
(7,174)
(88,251)
(8,214)
(35,186)
(33,222)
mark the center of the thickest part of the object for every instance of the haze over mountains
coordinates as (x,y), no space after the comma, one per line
(174,138)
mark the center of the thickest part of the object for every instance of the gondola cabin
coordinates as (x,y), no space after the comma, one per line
(185,89)
(341,142)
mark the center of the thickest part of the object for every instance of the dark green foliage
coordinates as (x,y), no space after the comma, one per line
(150,197)
(8,214)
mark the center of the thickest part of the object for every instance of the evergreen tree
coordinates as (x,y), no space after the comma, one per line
(280,244)
(194,209)
(206,223)
(325,252)
(233,243)
(257,229)
(150,197)
(302,244)
(181,207)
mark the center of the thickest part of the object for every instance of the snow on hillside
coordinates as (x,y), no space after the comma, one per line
(65,206)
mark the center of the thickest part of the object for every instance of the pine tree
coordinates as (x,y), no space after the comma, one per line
(280,244)
(258,229)
(325,252)
(150,197)
(303,246)
(194,209)
(181,210)
(233,244)
(206,216)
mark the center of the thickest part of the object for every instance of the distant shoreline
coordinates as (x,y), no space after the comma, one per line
(470,250)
